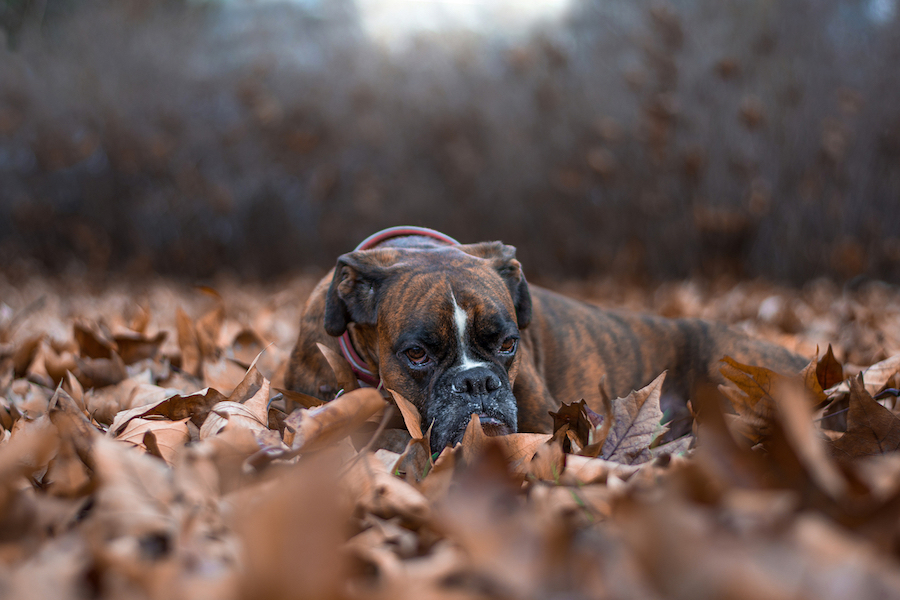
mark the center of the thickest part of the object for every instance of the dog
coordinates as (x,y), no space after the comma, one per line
(456,330)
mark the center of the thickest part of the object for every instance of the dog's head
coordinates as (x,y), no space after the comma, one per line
(443,324)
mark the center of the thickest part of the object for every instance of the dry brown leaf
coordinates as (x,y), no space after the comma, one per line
(101,372)
(207,328)
(377,491)
(516,448)
(548,461)
(174,407)
(876,376)
(872,429)
(795,416)
(134,346)
(410,415)
(228,414)
(321,426)
(343,372)
(829,371)
(253,392)
(222,373)
(583,470)
(246,346)
(191,358)
(291,535)
(636,423)
(674,448)
(580,419)
(302,400)
(94,339)
(170,436)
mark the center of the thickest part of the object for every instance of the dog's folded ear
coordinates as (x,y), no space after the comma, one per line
(352,295)
(503,259)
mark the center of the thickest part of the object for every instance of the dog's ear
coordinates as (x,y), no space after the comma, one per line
(503,259)
(352,296)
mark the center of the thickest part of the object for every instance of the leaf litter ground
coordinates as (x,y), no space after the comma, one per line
(147,450)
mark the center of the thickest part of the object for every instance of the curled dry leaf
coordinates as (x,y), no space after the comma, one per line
(378,492)
(169,436)
(875,377)
(191,358)
(174,407)
(516,448)
(134,346)
(872,429)
(94,339)
(231,414)
(101,372)
(346,378)
(410,415)
(321,426)
(300,399)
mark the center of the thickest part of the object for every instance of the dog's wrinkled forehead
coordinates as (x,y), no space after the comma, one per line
(386,284)
(437,295)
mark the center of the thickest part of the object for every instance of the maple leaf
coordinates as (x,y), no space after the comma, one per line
(580,419)
(871,428)
(636,423)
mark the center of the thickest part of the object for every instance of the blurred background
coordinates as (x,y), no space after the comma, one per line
(647,140)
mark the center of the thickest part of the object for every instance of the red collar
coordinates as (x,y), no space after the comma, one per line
(357,363)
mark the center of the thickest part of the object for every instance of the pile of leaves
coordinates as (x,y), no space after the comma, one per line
(139,461)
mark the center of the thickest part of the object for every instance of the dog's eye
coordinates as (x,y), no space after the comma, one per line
(509,345)
(416,355)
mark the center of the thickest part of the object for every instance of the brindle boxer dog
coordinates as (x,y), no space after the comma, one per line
(456,330)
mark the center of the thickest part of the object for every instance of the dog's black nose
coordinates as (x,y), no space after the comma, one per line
(478,381)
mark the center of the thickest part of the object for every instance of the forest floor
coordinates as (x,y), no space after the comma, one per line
(146,451)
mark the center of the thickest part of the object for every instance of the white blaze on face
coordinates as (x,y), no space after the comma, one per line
(462,325)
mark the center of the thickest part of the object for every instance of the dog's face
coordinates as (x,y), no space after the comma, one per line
(445,322)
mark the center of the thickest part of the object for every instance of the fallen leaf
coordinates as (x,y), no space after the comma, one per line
(318,427)
(191,358)
(872,429)
(516,448)
(134,346)
(231,414)
(636,423)
(174,407)
(410,415)
(100,372)
(378,492)
(169,436)
(346,378)
(94,339)
(829,371)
